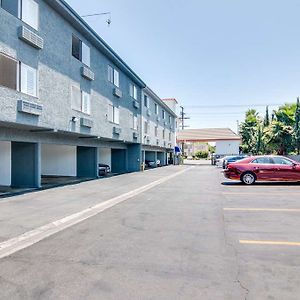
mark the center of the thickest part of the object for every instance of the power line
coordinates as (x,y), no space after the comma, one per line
(232,105)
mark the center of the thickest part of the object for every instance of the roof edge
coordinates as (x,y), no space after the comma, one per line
(160,101)
(62,7)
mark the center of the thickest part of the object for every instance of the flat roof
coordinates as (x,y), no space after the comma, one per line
(207,135)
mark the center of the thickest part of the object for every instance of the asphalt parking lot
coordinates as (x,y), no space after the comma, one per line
(180,232)
(262,224)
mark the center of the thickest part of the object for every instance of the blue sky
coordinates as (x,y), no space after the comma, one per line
(207,53)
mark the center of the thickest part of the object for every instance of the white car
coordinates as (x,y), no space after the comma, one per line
(219,162)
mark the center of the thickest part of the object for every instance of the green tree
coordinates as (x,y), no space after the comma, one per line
(279,135)
(267,118)
(251,132)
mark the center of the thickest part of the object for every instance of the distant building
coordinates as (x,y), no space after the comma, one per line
(226,141)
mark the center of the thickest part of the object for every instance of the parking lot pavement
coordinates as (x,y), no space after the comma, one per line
(26,212)
(188,236)
(262,222)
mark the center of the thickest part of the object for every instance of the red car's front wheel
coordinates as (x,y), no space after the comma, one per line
(248,178)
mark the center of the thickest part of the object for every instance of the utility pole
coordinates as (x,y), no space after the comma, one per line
(297,129)
(183,126)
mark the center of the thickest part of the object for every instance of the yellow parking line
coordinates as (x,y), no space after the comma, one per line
(274,243)
(254,209)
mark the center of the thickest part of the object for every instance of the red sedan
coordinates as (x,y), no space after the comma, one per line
(263,168)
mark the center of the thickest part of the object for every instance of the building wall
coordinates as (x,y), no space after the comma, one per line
(157,120)
(227,147)
(5,163)
(58,160)
(58,70)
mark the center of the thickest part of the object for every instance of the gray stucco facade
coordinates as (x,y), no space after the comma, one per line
(50,116)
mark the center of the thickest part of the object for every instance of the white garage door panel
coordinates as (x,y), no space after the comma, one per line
(5,163)
(58,160)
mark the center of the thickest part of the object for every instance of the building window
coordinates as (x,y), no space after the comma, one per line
(26,10)
(170,136)
(146,101)
(76,98)
(163,114)
(116,78)
(28,80)
(146,127)
(133,91)
(135,123)
(164,133)
(86,54)
(86,103)
(8,72)
(30,13)
(81,51)
(12,6)
(81,100)
(170,119)
(113,114)
(113,76)
(18,76)
(156,131)
(156,109)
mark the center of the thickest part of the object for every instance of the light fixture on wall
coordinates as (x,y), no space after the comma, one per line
(74,119)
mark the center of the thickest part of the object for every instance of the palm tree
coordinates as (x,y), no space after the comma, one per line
(279,136)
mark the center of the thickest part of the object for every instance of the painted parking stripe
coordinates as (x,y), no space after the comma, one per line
(256,209)
(32,237)
(270,243)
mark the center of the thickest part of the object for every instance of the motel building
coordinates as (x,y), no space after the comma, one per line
(69,102)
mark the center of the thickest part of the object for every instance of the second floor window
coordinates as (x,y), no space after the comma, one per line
(18,76)
(156,131)
(113,114)
(134,122)
(163,114)
(146,127)
(28,80)
(81,51)
(81,100)
(113,76)
(26,10)
(156,109)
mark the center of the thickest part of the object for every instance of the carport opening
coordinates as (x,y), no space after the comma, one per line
(150,159)
(59,165)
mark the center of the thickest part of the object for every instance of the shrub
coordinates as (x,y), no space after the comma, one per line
(201,154)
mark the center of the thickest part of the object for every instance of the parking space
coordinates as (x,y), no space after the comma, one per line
(262,223)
